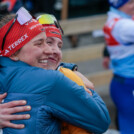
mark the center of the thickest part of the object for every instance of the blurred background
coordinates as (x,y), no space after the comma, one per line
(75,8)
(82,7)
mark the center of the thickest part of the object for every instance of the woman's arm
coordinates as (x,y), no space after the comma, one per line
(73,104)
(87,83)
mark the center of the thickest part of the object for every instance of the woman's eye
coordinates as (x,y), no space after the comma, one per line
(39,44)
(60,46)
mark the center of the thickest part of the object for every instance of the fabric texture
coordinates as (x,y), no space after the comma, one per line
(50,95)
(52,31)
(122,93)
(18,36)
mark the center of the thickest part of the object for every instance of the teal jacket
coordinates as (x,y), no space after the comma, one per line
(53,97)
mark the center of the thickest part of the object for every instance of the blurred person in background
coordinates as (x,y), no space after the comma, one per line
(11,6)
(119,36)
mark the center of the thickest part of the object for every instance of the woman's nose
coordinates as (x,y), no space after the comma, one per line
(47,49)
(52,49)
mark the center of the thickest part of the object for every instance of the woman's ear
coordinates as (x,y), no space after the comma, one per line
(14,57)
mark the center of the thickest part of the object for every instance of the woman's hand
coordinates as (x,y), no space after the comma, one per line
(8,109)
(105,62)
(87,83)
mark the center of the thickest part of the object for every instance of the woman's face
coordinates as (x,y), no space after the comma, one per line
(55,44)
(42,52)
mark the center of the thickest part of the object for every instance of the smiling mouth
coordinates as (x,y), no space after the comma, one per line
(43,61)
(47,61)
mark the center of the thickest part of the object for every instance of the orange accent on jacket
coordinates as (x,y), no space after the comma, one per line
(68,128)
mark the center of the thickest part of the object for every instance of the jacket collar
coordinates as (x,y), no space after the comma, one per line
(5,61)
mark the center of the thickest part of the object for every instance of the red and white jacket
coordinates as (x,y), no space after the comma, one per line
(119,37)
